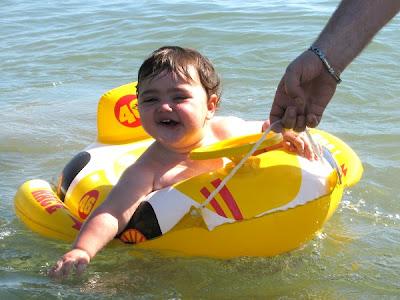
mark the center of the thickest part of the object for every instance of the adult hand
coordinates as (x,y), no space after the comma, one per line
(75,258)
(303,94)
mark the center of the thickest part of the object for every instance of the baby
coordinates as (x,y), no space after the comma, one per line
(178,94)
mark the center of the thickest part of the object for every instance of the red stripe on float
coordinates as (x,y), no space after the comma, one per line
(205,192)
(229,200)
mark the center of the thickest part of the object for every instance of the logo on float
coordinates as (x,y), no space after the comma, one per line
(87,203)
(132,236)
(51,203)
(47,200)
(126,111)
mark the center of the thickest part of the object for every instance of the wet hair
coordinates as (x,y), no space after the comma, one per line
(177,60)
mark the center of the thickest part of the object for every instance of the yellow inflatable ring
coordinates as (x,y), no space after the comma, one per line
(258,212)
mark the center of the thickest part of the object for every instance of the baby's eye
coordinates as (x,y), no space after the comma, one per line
(149,100)
(180,98)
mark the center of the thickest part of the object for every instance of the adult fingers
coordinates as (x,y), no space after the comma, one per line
(289,117)
(300,123)
(314,112)
(293,88)
(274,117)
(292,83)
(312,120)
(278,106)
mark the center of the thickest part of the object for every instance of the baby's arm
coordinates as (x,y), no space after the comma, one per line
(107,220)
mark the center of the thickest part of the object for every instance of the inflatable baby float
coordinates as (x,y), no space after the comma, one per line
(275,202)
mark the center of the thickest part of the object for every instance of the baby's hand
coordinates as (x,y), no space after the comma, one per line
(75,258)
(299,143)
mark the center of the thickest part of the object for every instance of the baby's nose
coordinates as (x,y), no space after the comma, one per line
(165,106)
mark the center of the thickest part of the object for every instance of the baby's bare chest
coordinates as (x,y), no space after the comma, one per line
(173,174)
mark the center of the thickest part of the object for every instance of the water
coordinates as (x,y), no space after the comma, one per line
(57,59)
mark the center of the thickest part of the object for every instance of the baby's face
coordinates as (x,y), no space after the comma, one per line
(174,110)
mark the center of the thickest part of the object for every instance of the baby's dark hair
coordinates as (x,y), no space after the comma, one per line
(176,60)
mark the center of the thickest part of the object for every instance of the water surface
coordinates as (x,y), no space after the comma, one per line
(58,58)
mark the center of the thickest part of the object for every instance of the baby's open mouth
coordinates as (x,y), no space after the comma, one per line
(168,122)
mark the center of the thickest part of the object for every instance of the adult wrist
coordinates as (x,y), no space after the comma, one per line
(338,54)
(334,73)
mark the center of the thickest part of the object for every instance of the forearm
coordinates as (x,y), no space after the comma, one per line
(96,233)
(351,28)
(108,220)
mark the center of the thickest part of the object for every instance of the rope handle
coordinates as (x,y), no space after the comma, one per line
(238,166)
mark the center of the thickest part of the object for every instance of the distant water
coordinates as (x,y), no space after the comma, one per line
(58,57)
